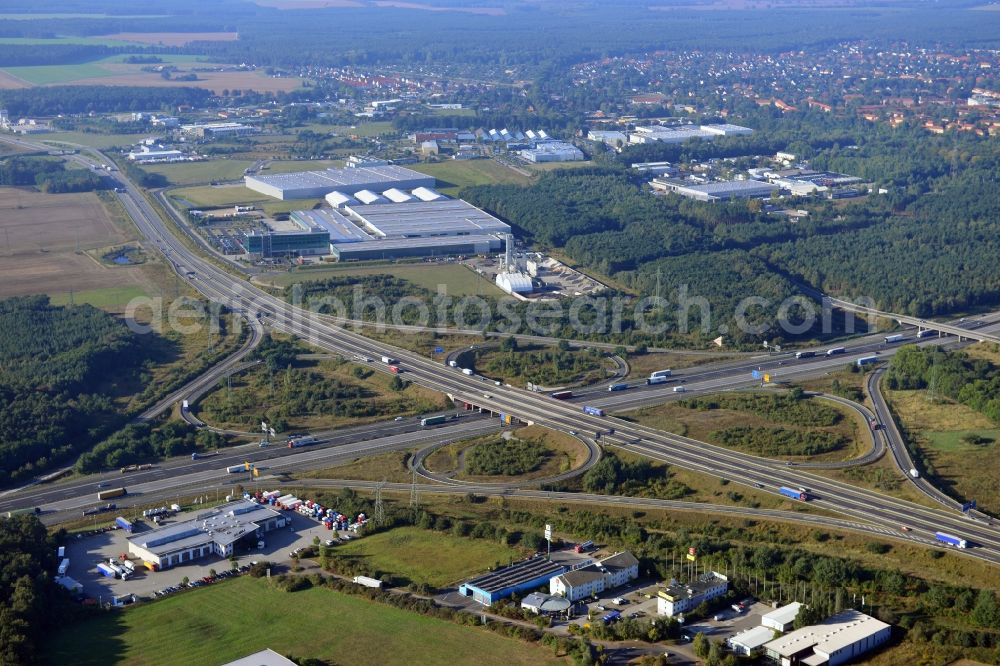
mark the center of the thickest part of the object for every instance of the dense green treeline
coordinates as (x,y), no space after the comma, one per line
(54,100)
(56,365)
(33,604)
(954,375)
(139,442)
(48,175)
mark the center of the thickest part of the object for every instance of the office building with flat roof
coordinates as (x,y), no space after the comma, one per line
(781,619)
(750,642)
(678,598)
(717,191)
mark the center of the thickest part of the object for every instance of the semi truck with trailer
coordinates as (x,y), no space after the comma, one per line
(106,571)
(805,354)
(593,411)
(561,395)
(388,360)
(111,492)
(433,420)
(123,523)
(468,372)
(659,373)
(618,387)
(890,339)
(368,582)
(833,351)
(236,469)
(296,442)
(867,360)
(656,380)
(63,567)
(926,333)
(951,540)
(794,493)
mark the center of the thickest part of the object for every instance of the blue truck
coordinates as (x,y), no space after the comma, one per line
(618,387)
(867,360)
(611,617)
(793,493)
(951,540)
(123,523)
(593,411)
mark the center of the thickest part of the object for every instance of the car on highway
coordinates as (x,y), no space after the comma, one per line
(758,485)
(904,528)
(398,418)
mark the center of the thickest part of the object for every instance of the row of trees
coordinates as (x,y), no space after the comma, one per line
(55,100)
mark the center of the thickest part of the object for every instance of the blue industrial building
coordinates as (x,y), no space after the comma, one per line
(518,577)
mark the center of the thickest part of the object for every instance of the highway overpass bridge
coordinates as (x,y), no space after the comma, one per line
(957,330)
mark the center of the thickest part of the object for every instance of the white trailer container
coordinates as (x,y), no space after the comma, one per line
(368,582)
(63,566)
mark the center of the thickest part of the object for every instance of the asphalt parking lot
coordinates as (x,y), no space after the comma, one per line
(86,552)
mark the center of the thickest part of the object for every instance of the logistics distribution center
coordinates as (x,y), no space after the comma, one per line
(317,184)
(518,577)
(213,532)
(372,216)
(835,640)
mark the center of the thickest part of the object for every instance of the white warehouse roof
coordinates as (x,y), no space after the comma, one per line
(833,634)
(397,196)
(426,194)
(447,217)
(339,199)
(781,617)
(514,283)
(368,197)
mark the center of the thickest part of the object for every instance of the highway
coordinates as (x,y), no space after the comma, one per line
(191,476)
(883,511)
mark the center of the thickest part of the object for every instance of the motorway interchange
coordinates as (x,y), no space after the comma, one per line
(863,509)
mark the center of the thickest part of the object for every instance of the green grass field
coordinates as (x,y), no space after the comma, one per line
(459,280)
(424,556)
(952,441)
(209,196)
(361,129)
(109,297)
(194,173)
(42,75)
(453,175)
(89,41)
(238,617)
(93,139)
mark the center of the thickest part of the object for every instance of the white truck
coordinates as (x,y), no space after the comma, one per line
(368,582)
(388,360)
(914,473)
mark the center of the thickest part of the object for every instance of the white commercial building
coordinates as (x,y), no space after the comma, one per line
(266,657)
(213,532)
(350,180)
(678,598)
(607,574)
(717,191)
(782,618)
(746,643)
(553,151)
(515,283)
(613,138)
(834,641)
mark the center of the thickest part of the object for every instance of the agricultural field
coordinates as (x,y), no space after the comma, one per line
(203,627)
(424,556)
(171,38)
(45,239)
(961,446)
(113,71)
(765,424)
(457,279)
(453,175)
(207,171)
(93,139)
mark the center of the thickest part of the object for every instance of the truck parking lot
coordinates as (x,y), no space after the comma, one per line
(86,552)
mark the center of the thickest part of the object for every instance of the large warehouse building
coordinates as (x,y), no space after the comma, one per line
(718,191)
(213,532)
(834,641)
(317,184)
(356,231)
(518,577)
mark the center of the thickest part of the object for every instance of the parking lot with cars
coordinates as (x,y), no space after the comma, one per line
(87,550)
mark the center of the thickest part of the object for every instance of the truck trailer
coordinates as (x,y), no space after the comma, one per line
(898,337)
(106,571)
(561,395)
(867,360)
(433,420)
(618,387)
(368,582)
(123,523)
(63,567)
(296,442)
(833,351)
(805,354)
(656,380)
(388,360)
(236,469)
(659,373)
(951,540)
(111,492)
(794,493)
(593,411)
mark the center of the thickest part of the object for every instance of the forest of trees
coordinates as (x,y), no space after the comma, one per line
(53,100)
(950,374)
(55,368)
(49,175)
(33,604)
